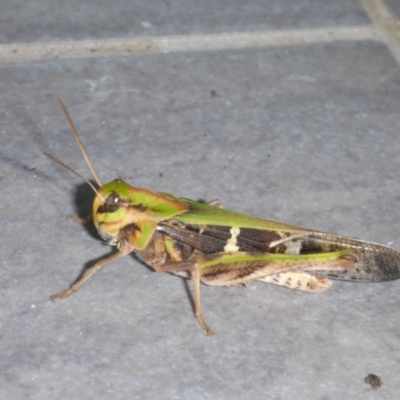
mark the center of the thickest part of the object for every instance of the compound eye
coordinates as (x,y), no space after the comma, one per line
(113,203)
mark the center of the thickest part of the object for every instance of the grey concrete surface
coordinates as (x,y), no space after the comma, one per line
(303,134)
(46,20)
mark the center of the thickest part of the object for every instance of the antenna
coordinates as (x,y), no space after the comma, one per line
(78,139)
(74,172)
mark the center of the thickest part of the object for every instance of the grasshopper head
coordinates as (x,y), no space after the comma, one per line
(110,209)
(125,213)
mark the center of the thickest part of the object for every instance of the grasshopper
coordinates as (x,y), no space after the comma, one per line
(214,246)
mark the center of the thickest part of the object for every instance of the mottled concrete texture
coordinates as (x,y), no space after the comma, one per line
(300,131)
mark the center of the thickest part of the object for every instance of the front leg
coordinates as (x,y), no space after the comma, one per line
(82,221)
(122,251)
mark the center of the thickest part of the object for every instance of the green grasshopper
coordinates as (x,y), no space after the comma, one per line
(214,246)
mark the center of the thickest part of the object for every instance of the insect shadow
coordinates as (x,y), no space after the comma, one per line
(83,197)
(27,169)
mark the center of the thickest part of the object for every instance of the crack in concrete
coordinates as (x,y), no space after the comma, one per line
(23,52)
